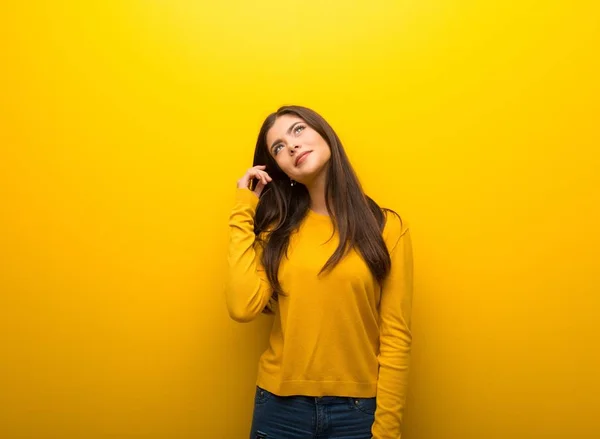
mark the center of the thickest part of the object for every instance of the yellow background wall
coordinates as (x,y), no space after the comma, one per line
(124,126)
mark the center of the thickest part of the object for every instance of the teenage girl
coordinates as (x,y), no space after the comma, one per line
(310,247)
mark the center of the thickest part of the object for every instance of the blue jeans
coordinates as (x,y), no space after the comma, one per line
(309,417)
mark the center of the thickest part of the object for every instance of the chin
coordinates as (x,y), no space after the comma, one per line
(309,174)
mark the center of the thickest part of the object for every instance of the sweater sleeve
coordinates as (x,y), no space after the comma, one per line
(247,288)
(395,337)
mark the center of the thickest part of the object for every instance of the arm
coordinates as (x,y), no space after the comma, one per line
(395,339)
(247,288)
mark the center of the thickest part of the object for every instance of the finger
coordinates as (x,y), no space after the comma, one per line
(248,179)
(253,173)
(262,176)
(267,176)
(258,176)
(259,187)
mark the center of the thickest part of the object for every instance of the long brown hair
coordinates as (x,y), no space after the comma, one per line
(282,207)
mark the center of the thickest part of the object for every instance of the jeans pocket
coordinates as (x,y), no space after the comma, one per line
(364,405)
(261,396)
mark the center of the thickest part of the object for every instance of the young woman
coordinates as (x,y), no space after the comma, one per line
(335,269)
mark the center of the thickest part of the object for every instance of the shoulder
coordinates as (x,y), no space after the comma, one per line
(395,227)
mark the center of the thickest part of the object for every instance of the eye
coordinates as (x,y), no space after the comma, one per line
(276,149)
(298,128)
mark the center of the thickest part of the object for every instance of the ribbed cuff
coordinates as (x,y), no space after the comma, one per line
(246,196)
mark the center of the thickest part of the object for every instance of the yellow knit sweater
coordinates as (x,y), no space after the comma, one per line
(337,334)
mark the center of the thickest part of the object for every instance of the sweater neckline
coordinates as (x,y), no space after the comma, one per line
(318,216)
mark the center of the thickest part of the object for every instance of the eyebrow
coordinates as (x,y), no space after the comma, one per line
(289,130)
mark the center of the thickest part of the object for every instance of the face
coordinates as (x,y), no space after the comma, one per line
(298,149)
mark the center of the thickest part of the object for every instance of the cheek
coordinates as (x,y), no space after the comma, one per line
(324,150)
(284,163)
(323,146)
(315,139)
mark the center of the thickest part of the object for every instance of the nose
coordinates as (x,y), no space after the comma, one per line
(293,147)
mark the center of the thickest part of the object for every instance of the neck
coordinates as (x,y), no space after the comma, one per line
(316,190)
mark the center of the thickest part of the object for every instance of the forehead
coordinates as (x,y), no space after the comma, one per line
(280,127)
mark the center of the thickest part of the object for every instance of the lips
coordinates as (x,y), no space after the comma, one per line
(300,156)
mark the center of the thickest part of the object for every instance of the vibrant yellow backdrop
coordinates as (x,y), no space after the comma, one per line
(124,126)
